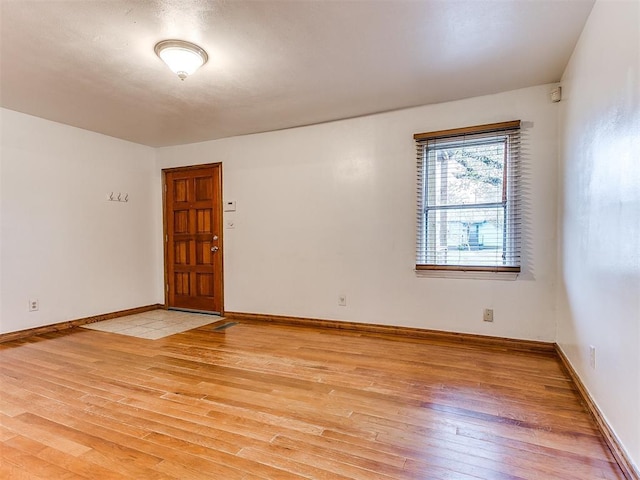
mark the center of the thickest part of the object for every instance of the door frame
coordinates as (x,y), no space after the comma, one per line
(165,234)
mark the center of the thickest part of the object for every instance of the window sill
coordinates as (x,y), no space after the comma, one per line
(467,274)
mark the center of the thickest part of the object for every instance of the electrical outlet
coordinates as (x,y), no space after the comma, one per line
(487,315)
(34,305)
(592,356)
(342,300)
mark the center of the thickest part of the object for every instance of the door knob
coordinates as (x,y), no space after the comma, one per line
(215,237)
(214,249)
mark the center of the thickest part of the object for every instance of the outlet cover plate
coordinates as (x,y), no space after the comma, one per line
(34,305)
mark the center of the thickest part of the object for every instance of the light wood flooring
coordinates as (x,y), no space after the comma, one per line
(280,402)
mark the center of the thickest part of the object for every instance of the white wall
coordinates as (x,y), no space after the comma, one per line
(62,242)
(330,209)
(599,214)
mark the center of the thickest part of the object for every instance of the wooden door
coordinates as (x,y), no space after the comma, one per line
(193,224)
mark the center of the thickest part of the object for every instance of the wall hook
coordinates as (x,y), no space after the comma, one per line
(122,197)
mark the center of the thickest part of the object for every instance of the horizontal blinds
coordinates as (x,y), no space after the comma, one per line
(457,132)
(469,184)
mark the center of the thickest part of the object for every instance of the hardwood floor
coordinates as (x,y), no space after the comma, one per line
(261,401)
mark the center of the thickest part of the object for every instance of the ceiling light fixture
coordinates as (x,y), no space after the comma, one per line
(183,58)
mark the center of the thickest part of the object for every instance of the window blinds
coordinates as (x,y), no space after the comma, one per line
(468,194)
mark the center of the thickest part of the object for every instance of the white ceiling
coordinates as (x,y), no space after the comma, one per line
(273,64)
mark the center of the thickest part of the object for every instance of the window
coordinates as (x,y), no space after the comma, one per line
(468,199)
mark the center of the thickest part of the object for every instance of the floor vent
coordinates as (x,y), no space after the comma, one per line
(224,326)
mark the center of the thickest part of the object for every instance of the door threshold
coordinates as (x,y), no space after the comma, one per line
(190,310)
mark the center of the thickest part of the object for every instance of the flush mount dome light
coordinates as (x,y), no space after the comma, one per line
(183,58)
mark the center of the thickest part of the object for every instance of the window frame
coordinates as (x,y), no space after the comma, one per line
(510,201)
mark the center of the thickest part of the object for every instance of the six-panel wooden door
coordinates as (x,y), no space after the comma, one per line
(193,223)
